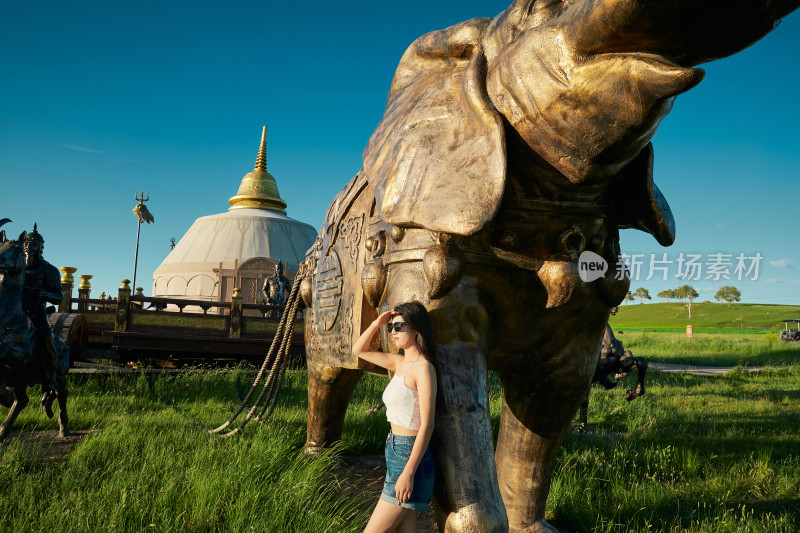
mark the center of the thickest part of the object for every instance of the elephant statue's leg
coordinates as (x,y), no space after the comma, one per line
(467,496)
(19,404)
(329,391)
(538,408)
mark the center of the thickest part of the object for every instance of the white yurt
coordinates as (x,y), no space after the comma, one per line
(238,248)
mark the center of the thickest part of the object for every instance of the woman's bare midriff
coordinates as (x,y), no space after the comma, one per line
(405,432)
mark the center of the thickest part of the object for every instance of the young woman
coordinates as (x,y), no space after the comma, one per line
(410,400)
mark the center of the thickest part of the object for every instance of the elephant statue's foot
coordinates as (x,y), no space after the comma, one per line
(541,526)
(537,412)
(467,495)
(313,449)
(525,462)
(473,518)
(329,391)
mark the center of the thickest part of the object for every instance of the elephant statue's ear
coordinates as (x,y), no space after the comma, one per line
(437,159)
(635,201)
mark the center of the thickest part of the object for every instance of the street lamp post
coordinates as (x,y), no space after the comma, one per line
(142,215)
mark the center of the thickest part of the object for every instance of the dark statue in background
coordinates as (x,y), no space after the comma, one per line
(508,147)
(29,352)
(42,286)
(615,359)
(275,290)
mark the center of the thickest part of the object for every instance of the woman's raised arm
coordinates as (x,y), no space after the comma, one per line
(384,360)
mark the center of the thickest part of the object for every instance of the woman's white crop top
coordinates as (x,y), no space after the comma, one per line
(402,402)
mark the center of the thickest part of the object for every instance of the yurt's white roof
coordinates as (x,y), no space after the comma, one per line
(239,234)
(254,226)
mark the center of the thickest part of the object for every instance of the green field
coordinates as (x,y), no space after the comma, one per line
(711,349)
(718,316)
(149,463)
(696,454)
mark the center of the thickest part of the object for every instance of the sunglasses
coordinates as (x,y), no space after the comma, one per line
(396,326)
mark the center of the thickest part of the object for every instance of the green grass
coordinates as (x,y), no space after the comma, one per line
(704,315)
(712,349)
(694,454)
(700,454)
(152,466)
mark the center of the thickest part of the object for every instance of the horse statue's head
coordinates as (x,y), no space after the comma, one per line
(12,255)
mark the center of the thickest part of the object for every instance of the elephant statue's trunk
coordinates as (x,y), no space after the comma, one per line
(586,84)
(687,32)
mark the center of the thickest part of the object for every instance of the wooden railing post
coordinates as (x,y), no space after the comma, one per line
(123,306)
(236,315)
(140,304)
(67,281)
(84,291)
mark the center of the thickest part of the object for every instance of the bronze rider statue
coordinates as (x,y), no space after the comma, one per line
(42,285)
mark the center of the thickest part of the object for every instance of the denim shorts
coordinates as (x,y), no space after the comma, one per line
(398,450)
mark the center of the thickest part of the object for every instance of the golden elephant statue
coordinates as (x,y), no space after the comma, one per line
(509,147)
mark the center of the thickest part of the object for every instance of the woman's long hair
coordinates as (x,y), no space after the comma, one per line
(416,316)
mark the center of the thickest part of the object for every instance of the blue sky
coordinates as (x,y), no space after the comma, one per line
(103,99)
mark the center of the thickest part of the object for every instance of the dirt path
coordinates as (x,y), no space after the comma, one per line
(46,444)
(696,370)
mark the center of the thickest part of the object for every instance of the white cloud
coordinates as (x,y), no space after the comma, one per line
(774,280)
(82,149)
(721,226)
(781,263)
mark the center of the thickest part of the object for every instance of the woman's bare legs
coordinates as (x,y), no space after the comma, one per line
(409,523)
(390,517)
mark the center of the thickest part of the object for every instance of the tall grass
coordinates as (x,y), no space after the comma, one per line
(711,349)
(152,466)
(700,454)
(694,454)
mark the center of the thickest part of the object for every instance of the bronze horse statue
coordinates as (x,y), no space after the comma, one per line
(615,359)
(19,365)
(508,147)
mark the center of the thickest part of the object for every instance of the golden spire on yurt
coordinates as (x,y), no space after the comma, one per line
(259,189)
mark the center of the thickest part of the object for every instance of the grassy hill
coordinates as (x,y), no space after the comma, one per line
(704,315)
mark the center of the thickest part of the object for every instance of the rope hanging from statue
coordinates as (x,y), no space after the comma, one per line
(276,361)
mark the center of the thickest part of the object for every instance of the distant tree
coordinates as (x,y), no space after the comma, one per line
(629,297)
(642,294)
(688,294)
(667,294)
(728,293)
